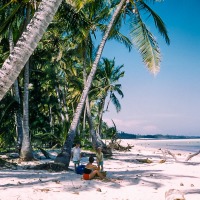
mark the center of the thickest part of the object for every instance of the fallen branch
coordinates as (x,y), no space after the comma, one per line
(165,152)
(117,146)
(192,155)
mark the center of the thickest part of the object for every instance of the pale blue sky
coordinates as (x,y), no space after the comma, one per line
(170,102)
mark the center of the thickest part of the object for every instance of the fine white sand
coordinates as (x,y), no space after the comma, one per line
(129,179)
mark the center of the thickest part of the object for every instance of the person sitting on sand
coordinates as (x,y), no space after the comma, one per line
(91,170)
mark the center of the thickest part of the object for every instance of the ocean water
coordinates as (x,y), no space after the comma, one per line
(192,145)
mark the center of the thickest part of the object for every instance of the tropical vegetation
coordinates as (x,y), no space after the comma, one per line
(65,87)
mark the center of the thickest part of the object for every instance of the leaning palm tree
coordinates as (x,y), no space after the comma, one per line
(93,18)
(145,43)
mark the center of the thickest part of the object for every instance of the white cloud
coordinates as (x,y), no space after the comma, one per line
(134,126)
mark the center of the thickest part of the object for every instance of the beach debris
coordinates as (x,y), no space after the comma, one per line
(166,152)
(162,161)
(181,184)
(43,190)
(98,190)
(19,183)
(76,193)
(56,181)
(192,155)
(151,175)
(174,194)
(146,160)
(192,185)
(117,146)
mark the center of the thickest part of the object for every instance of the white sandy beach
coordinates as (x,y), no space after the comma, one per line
(129,179)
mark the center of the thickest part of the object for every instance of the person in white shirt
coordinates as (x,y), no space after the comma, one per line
(76,155)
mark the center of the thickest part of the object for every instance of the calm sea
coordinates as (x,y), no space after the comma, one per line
(192,145)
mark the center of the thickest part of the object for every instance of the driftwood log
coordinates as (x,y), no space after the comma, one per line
(144,160)
(192,155)
(117,146)
(165,152)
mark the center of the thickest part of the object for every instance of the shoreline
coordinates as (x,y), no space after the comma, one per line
(191,145)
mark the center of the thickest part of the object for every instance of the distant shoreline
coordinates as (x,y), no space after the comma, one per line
(186,145)
(124,135)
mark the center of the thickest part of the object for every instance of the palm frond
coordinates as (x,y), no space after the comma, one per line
(6,5)
(145,44)
(118,90)
(115,102)
(157,20)
(120,38)
(9,19)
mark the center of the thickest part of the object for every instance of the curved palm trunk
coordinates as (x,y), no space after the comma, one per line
(64,156)
(96,139)
(27,44)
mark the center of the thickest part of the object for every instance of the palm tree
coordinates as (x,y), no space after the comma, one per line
(93,16)
(144,42)
(108,77)
(9,27)
(23,141)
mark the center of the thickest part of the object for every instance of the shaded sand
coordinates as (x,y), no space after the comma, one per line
(129,179)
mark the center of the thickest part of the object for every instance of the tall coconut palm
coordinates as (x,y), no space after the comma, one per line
(144,42)
(23,12)
(15,88)
(10,28)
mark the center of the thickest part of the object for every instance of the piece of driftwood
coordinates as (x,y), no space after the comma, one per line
(173,194)
(146,160)
(117,146)
(165,152)
(192,155)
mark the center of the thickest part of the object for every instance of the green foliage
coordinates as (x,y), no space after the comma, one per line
(56,67)
(7,122)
